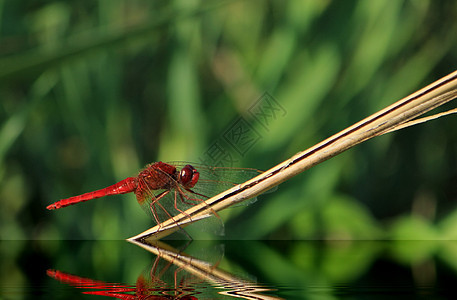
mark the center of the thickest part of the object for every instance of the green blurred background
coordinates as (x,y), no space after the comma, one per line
(91,91)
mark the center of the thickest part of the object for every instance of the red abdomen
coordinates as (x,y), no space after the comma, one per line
(124,186)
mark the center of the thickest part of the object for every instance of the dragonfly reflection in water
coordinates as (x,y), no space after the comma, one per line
(174,275)
(161,281)
(142,290)
(166,189)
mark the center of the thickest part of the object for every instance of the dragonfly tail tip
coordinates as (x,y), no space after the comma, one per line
(51,207)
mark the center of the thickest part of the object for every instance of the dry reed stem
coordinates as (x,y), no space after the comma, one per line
(391,118)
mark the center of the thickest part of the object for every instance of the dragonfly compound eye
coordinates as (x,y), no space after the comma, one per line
(189,176)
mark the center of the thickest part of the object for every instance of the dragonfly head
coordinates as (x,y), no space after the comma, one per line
(188,176)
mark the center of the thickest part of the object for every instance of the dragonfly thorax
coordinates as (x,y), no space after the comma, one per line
(157,176)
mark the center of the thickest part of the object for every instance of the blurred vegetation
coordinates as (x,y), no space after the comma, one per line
(91,91)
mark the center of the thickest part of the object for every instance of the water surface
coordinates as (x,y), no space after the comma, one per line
(227,269)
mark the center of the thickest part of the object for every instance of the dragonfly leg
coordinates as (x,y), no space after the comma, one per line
(182,196)
(156,217)
(153,207)
(176,205)
(164,270)
(154,269)
(154,213)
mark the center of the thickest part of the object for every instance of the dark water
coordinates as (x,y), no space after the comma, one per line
(219,270)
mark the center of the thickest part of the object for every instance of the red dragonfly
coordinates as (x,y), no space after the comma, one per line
(162,187)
